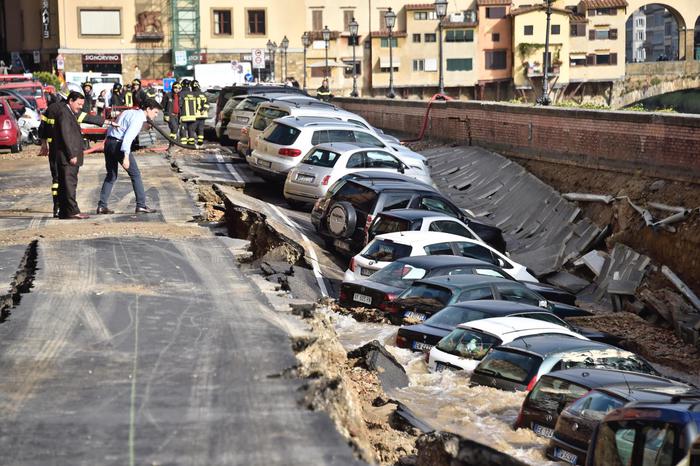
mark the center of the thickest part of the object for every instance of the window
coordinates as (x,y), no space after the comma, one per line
(475,251)
(603,12)
(602,59)
(222,22)
(256,22)
(556,29)
(470,344)
(459,64)
(317,20)
(416,38)
(577,61)
(100,22)
(396,201)
(495,12)
(476,294)
(578,30)
(495,37)
(450,226)
(356,161)
(378,159)
(528,30)
(496,60)
(385,42)
(439,249)
(518,294)
(321,158)
(601,34)
(348,15)
(419,65)
(430,37)
(282,135)
(435,204)
(424,15)
(265,116)
(354,40)
(386,251)
(365,138)
(459,35)
(319,72)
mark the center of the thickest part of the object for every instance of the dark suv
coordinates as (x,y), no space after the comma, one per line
(344,215)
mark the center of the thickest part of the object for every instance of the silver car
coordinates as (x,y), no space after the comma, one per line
(327,163)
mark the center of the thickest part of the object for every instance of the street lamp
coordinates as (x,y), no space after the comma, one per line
(271,46)
(306,42)
(544,100)
(440,12)
(284,45)
(326,34)
(354,27)
(390,22)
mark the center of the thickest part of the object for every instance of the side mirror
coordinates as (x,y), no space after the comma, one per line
(402,168)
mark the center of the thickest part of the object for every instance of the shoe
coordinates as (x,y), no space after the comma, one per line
(145,210)
(104,210)
(77,217)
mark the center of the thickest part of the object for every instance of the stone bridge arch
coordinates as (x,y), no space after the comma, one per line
(645,80)
(686,13)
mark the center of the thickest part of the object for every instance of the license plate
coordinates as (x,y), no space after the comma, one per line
(420,346)
(565,455)
(440,367)
(366,272)
(341,244)
(542,431)
(242,119)
(414,315)
(360,298)
(305,178)
(264,163)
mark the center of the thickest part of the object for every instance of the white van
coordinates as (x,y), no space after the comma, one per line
(99,81)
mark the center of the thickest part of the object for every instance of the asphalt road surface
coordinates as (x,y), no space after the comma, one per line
(141,350)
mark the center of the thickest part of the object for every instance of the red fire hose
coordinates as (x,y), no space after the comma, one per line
(437,96)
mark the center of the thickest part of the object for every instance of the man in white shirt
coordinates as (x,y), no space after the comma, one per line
(118,151)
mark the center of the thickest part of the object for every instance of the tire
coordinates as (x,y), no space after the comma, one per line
(341,220)
(17,147)
(294,204)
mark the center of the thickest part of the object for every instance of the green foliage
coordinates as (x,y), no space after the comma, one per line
(48,79)
(655,81)
(526,49)
(585,105)
(640,108)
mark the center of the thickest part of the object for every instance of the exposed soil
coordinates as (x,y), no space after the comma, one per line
(28,151)
(213,204)
(360,314)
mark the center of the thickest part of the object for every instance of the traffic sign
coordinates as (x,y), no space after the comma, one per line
(60,62)
(258,58)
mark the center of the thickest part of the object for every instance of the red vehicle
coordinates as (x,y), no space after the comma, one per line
(33,91)
(12,78)
(10,135)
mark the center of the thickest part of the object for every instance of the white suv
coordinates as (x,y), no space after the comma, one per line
(283,144)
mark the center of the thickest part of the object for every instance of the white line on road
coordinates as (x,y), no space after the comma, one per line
(232,171)
(309,246)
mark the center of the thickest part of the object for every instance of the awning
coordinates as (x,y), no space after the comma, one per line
(331,64)
(384,62)
(577,56)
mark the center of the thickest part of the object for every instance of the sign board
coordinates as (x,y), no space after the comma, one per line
(16,59)
(101,58)
(37,56)
(258,58)
(168,84)
(45,33)
(195,58)
(180,58)
(60,62)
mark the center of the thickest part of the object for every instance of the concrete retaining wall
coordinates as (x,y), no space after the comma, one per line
(654,144)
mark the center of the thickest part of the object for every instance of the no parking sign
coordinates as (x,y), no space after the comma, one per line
(258,56)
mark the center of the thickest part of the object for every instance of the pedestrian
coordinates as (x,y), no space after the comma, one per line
(118,151)
(89,97)
(171,110)
(294,82)
(202,111)
(324,93)
(101,103)
(137,73)
(117,97)
(188,114)
(137,93)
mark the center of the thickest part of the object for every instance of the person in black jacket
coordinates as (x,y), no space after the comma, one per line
(117,97)
(138,95)
(89,97)
(171,110)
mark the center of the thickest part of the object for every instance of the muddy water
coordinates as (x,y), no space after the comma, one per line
(445,400)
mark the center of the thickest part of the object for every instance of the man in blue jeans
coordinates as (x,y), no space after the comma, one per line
(118,151)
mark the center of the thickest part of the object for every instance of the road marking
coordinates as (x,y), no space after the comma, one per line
(132,409)
(231,170)
(309,246)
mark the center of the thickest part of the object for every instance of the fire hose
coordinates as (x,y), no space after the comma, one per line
(167,136)
(434,98)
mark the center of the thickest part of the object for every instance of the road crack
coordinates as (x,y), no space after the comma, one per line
(22,282)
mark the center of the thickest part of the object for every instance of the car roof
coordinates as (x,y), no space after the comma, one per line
(658,392)
(512,327)
(679,407)
(555,344)
(462,281)
(380,181)
(423,237)
(595,377)
(499,306)
(342,147)
(289,104)
(321,120)
(413,214)
(432,262)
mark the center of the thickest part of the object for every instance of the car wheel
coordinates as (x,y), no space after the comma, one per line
(17,147)
(341,219)
(294,204)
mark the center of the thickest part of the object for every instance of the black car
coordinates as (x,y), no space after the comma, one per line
(384,285)
(576,423)
(554,391)
(343,216)
(518,365)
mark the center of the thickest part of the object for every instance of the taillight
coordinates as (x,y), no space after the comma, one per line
(352,265)
(6,124)
(401,341)
(343,295)
(388,298)
(290,152)
(325,180)
(532,383)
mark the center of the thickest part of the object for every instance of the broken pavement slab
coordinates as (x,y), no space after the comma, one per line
(448,449)
(375,357)
(215,167)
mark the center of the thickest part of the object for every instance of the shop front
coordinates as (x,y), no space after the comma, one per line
(102,62)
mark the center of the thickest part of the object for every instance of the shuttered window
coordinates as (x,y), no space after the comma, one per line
(317,20)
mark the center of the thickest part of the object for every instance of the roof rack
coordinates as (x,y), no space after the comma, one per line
(689,395)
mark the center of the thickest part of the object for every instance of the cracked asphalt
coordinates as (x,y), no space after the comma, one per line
(141,341)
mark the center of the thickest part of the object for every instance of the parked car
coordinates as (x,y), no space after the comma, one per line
(556,390)
(466,345)
(518,365)
(392,221)
(33,91)
(10,134)
(343,216)
(425,335)
(384,249)
(577,422)
(326,163)
(641,433)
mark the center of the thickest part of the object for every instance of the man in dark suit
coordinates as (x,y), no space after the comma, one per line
(69,155)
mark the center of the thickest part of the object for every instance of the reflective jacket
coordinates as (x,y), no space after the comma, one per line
(202,105)
(189,106)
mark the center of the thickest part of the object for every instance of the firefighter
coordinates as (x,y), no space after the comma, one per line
(151,92)
(202,111)
(138,95)
(171,110)
(89,97)
(188,114)
(117,97)
(323,93)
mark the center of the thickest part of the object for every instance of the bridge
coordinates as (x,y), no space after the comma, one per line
(645,80)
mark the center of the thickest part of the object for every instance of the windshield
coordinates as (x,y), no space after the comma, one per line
(385,224)
(321,158)
(509,365)
(386,251)
(249,104)
(29,91)
(427,294)
(612,358)
(595,406)
(453,316)
(266,115)
(468,343)
(553,394)
(656,443)
(398,275)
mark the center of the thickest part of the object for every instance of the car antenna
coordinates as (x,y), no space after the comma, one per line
(527,345)
(629,389)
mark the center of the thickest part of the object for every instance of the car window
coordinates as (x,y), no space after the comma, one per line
(595,406)
(519,294)
(362,198)
(435,204)
(398,275)
(514,366)
(475,251)
(606,359)
(490,272)
(396,200)
(356,160)
(319,137)
(553,394)
(439,249)
(365,138)
(321,158)
(341,135)
(468,343)
(453,316)
(386,251)
(659,445)
(357,122)
(282,135)
(379,159)
(427,294)
(475,294)
(450,226)
(266,115)
(385,224)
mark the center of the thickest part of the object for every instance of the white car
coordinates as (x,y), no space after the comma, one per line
(327,163)
(467,344)
(384,249)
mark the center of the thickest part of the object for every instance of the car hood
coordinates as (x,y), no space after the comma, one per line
(438,330)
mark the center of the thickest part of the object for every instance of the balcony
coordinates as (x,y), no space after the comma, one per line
(536,70)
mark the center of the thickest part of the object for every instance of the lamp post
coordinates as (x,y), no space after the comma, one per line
(354,27)
(284,45)
(390,22)
(326,34)
(544,100)
(306,42)
(271,46)
(440,12)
